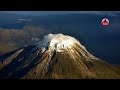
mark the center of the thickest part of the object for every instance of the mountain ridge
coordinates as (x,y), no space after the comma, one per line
(38,62)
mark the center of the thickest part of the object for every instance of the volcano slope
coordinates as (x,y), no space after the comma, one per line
(58,56)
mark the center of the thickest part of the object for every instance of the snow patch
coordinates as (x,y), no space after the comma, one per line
(58,42)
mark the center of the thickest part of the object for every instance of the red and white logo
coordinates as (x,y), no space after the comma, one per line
(105,22)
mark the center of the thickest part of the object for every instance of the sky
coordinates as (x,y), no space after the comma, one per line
(37,13)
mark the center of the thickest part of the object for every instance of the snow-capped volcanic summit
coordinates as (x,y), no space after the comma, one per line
(58,56)
(62,43)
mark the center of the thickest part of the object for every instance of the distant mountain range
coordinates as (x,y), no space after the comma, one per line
(12,39)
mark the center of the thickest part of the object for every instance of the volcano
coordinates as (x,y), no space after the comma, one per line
(57,56)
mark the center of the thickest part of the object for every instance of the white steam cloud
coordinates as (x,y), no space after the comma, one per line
(59,38)
(58,42)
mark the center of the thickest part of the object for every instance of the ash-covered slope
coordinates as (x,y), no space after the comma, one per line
(56,57)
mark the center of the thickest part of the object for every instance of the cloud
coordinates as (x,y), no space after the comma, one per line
(58,42)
